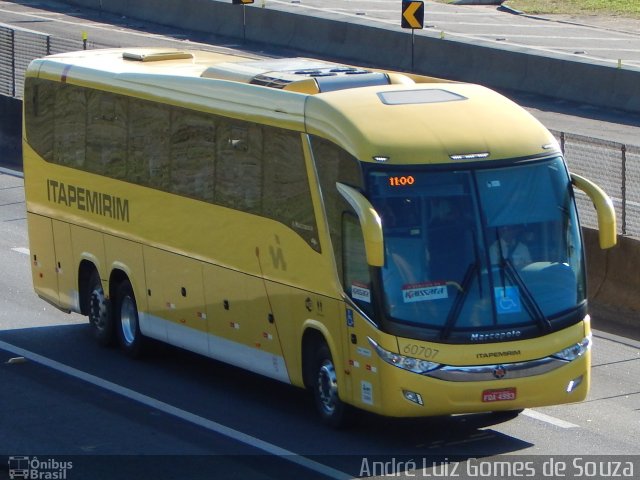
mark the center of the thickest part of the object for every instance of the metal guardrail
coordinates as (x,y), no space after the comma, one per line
(613,166)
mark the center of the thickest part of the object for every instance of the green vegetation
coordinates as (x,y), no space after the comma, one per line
(628,8)
(579,7)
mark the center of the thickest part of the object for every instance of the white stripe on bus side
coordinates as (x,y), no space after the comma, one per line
(218,348)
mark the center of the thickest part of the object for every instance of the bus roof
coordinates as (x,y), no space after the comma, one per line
(376,115)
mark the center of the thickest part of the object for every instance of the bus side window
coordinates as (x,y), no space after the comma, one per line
(193,147)
(334,164)
(39,115)
(107,134)
(286,195)
(148,158)
(238,180)
(70,126)
(357,277)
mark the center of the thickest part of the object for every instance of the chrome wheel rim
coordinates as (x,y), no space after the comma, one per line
(128,319)
(327,387)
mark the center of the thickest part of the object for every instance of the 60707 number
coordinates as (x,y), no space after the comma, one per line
(420,351)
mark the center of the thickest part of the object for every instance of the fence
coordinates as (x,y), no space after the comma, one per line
(613,166)
(18,46)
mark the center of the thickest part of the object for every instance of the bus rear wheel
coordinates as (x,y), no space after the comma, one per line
(127,320)
(100,317)
(333,411)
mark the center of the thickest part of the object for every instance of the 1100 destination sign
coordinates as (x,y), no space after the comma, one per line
(401,181)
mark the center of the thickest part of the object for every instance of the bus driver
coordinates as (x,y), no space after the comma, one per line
(510,247)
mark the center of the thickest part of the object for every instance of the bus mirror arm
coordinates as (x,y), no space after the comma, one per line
(369,222)
(607,229)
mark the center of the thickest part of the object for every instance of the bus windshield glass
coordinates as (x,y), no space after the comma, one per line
(479,250)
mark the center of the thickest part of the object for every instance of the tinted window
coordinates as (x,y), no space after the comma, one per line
(70,126)
(148,161)
(193,153)
(241,165)
(335,165)
(106,136)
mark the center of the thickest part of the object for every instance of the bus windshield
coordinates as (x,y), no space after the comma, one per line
(468,252)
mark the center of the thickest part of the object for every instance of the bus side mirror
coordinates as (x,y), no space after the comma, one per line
(369,222)
(607,230)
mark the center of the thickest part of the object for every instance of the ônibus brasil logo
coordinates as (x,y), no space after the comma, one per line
(32,468)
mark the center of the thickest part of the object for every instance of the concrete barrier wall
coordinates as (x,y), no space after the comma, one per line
(10,132)
(220,18)
(360,42)
(614,274)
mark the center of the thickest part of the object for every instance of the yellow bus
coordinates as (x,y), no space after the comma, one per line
(394,243)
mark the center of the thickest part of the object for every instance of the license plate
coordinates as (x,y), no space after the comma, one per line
(501,395)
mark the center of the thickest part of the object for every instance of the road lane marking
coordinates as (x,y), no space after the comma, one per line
(215,427)
(24,251)
(549,419)
(11,172)
(90,24)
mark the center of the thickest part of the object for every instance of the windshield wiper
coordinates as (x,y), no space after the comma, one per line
(528,299)
(454,313)
(502,257)
(530,304)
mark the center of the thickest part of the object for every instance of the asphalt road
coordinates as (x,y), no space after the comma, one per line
(585,37)
(178,415)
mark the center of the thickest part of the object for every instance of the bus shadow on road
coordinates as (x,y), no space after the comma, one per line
(269,410)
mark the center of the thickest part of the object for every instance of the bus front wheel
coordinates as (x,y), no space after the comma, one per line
(100,317)
(128,324)
(333,411)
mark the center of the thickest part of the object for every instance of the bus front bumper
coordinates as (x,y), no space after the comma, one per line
(407,394)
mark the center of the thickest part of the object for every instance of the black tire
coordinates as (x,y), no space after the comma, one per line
(333,411)
(127,321)
(99,313)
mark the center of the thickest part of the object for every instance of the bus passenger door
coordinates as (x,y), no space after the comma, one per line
(363,362)
(241,325)
(54,275)
(43,257)
(66,270)
(176,299)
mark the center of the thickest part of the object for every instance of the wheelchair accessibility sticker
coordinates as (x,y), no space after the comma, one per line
(507,300)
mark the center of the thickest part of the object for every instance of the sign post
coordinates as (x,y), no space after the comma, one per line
(244,3)
(413,18)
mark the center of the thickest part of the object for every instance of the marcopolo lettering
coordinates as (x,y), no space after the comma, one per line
(493,336)
(88,200)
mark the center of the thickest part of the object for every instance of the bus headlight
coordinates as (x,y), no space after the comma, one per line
(415,365)
(574,351)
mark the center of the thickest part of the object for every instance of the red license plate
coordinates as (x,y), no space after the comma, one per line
(501,395)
